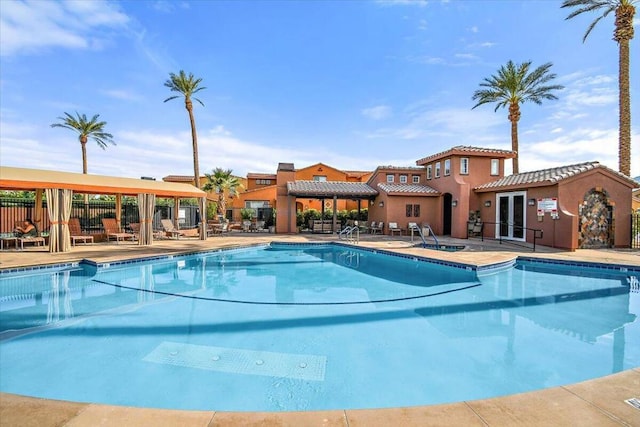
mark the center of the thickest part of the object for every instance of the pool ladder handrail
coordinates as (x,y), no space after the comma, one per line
(347,233)
(431,233)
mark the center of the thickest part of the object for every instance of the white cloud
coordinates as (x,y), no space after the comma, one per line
(30,26)
(453,126)
(474,29)
(122,94)
(585,96)
(431,60)
(465,56)
(481,45)
(578,145)
(378,112)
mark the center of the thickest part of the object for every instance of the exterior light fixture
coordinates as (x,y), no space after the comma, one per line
(381,204)
(487,204)
(454,203)
(531,202)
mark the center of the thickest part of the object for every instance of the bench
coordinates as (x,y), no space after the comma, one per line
(323,226)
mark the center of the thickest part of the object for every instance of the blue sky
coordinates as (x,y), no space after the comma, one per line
(353,84)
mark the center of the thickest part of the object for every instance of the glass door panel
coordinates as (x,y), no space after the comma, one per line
(503,219)
(518,217)
(511,215)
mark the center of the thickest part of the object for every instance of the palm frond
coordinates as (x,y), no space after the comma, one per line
(586,6)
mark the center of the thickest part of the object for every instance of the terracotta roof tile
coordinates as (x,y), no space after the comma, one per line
(461,150)
(261,175)
(179,178)
(550,176)
(409,189)
(399,168)
(330,188)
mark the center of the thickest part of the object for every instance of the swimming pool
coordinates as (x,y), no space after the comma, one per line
(311,327)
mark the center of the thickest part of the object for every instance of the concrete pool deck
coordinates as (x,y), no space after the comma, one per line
(598,402)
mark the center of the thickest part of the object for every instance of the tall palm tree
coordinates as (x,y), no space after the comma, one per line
(623,33)
(224,184)
(188,86)
(88,129)
(512,86)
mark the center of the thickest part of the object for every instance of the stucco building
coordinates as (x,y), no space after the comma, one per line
(576,206)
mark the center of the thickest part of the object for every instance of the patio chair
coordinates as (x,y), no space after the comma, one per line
(112,231)
(378,229)
(171,229)
(219,229)
(393,228)
(372,227)
(77,235)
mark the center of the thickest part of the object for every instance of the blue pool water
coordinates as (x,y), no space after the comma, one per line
(311,327)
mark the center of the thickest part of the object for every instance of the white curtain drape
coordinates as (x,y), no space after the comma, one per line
(59,209)
(53,211)
(66,199)
(146,208)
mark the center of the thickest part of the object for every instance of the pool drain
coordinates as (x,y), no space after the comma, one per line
(634,401)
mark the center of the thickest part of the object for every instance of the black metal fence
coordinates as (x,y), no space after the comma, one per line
(635,230)
(91,214)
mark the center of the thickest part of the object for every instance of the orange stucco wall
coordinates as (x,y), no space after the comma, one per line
(564,232)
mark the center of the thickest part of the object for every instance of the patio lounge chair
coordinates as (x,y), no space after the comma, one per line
(112,230)
(75,230)
(393,228)
(36,240)
(135,229)
(170,229)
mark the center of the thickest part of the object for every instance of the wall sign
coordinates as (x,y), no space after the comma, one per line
(548,204)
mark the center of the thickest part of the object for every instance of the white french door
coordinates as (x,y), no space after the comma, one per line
(511,215)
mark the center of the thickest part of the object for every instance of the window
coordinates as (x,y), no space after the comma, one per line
(320,178)
(495,166)
(416,210)
(263,182)
(409,210)
(416,179)
(447,167)
(437,169)
(464,166)
(403,179)
(428,171)
(389,178)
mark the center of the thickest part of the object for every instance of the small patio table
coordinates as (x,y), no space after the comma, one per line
(8,237)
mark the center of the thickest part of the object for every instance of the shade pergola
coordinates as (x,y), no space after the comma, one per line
(61,185)
(333,190)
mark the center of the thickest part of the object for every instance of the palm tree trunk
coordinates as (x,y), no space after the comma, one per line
(194,140)
(83,144)
(622,34)
(624,137)
(514,116)
(222,204)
